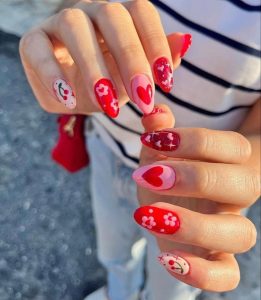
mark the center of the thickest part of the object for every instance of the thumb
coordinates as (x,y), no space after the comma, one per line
(160,118)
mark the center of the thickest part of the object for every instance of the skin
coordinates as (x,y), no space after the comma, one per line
(212,228)
(57,48)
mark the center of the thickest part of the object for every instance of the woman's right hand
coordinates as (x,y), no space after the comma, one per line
(98,55)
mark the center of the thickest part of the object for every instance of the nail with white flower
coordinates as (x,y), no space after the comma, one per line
(64,93)
(170,219)
(106,96)
(174,263)
(148,222)
(157,219)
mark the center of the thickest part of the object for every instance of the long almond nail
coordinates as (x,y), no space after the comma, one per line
(157,219)
(106,96)
(64,93)
(143,93)
(163,74)
(174,263)
(161,140)
(187,41)
(155,177)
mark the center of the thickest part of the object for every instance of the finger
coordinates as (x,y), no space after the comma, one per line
(75,30)
(154,41)
(46,67)
(160,117)
(199,144)
(219,274)
(226,233)
(125,46)
(229,184)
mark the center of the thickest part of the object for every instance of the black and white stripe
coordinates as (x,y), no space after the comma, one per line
(217,82)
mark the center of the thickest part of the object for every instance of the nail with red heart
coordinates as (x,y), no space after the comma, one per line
(64,93)
(155,177)
(157,219)
(143,93)
(186,43)
(161,140)
(174,263)
(106,96)
(163,74)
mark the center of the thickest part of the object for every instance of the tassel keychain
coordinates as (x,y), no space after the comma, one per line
(70,151)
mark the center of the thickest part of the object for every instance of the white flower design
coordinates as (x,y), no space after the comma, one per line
(148,222)
(102,90)
(170,220)
(114,104)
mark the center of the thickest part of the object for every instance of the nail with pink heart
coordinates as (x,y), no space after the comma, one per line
(155,177)
(143,93)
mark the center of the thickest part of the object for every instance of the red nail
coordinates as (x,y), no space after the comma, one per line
(157,219)
(163,74)
(187,41)
(161,140)
(107,97)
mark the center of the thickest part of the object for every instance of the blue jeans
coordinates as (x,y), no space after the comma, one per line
(122,248)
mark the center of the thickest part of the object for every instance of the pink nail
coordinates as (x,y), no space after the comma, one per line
(174,263)
(64,93)
(155,177)
(143,93)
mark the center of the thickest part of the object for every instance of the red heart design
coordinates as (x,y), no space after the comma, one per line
(152,176)
(145,95)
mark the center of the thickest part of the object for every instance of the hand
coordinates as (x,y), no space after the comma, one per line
(91,60)
(192,185)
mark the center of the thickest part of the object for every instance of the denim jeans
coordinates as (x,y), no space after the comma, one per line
(125,249)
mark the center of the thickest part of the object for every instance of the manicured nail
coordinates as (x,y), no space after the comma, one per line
(157,219)
(156,110)
(64,93)
(106,96)
(155,177)
(163,74)
(187,41)
(174,263)
(161,140)
(143,93)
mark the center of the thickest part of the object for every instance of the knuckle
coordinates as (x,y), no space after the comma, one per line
(27,41)
(255,184)
(109,10)
(67,17)
(242,147)
(204,180)
(203,141)
(130,50)
(249,235)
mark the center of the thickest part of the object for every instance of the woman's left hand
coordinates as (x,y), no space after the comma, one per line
(193,184)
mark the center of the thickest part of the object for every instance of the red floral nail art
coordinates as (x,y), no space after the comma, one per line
(161,140)
(187,41)
(157,219)
(107,97)
(163,74)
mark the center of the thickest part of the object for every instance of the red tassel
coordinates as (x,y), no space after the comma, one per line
(70,151)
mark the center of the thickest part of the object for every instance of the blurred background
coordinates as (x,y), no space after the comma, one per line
(47,237)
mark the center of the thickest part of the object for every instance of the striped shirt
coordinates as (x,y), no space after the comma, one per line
(218,80)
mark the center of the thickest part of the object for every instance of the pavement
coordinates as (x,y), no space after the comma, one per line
(47,236)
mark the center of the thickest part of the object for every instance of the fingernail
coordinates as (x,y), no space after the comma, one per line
(106,96)
(161,140)
(143,93)
(156,110)
(187,41)
(157,219)
(174,263)
(64,93)
(155,177)
(163,74)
